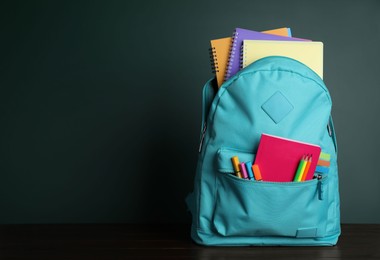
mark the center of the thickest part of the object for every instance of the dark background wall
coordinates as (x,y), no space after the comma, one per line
(100,102)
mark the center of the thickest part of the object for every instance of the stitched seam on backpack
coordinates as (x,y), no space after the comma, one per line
(256,71)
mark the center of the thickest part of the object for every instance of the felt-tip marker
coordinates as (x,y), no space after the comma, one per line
(256,172)
(235,164)
(248,165)
(243,170)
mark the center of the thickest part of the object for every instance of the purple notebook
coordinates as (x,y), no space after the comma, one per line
(237,41)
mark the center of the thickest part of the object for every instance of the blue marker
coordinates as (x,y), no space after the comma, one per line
(248,165)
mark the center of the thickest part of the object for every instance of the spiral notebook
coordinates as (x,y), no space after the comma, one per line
(219,56)
(309,53)
(237,40)
(220,50)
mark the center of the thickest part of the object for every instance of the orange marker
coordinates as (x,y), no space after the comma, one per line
(305,172)
(235,164)
(256,172)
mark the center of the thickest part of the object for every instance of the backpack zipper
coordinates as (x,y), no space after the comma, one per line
(202,137)
(320,187)
(329,129)
(319,177)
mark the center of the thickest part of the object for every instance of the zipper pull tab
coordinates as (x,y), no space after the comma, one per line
(202,137)
(320,187)
(329,129)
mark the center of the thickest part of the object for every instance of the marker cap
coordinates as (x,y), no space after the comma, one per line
(243,170)
(235,163)
(248,165)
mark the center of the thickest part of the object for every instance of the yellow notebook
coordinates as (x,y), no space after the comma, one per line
(220,50)
(309,53)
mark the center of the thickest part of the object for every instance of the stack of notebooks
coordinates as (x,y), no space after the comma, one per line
(231,54)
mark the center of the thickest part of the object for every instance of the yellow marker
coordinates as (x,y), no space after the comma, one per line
(235,164)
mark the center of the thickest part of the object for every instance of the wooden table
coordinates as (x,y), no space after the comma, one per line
(164,241)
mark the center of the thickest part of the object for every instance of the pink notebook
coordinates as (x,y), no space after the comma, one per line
(278,158)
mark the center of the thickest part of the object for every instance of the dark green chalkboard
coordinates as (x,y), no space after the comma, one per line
(101,102)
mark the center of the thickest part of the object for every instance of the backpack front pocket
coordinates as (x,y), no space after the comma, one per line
(253,208)
(258,208)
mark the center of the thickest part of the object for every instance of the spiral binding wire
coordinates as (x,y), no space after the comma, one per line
(242,54)
(213,60)
(232,55)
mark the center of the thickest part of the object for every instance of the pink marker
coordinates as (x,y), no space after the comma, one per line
(243,170)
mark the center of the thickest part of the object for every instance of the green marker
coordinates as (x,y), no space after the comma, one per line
(300,169)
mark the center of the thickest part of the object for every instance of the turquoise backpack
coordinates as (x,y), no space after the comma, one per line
(227,210)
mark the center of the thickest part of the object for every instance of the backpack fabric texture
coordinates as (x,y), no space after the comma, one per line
(278,96)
